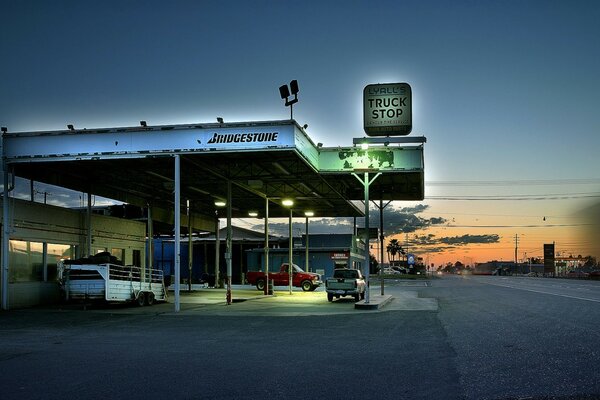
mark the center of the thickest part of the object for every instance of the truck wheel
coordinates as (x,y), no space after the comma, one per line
(306,285)
(141,299)
(260,284)
(329,296)
(149,298)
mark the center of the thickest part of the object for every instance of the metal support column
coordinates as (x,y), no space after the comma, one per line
(217,250)
(190,245)
(290,254)
(45,260)
(229,250)
(381,239)
(5,239)
(267,246)
(89,224)
(306,248)
(177,250)
(150,228)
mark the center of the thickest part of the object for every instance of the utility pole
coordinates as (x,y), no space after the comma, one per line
(516,246)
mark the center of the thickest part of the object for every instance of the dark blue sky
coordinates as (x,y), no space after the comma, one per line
(497,82)
(503,90)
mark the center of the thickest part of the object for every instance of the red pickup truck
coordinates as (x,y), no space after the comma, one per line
(308,281)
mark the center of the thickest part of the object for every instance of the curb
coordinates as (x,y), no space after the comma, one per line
(375,302)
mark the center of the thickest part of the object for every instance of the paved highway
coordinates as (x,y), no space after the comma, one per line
(457,338)
(520,337)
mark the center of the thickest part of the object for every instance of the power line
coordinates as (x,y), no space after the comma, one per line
(517,197)
(517,226)
(525,182)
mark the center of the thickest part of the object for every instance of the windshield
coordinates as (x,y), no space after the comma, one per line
(297,268)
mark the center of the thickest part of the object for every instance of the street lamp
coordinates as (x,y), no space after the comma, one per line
(307,214)
(289,203)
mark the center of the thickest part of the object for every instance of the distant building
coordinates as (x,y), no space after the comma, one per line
(326,252)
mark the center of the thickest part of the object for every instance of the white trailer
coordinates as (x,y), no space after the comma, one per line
(112,283)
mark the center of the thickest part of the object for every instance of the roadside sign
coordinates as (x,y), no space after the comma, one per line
(410,259)
(549,258)
(387,109)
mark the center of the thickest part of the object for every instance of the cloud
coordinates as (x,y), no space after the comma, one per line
(436,244)
(405,220)
(395,221)
(470,239)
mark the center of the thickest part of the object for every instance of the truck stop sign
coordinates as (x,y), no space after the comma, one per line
(387,109)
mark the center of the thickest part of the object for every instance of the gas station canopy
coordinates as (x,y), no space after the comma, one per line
(262,160)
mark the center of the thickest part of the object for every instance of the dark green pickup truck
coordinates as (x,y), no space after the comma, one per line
(345,282)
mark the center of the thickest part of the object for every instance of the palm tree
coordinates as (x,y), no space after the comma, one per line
(393,248)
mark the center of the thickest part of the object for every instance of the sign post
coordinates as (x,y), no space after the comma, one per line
(549,258)
(366,183)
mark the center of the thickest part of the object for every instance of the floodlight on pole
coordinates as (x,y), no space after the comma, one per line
(286,92)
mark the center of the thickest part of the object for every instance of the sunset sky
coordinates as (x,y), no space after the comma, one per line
(506,93)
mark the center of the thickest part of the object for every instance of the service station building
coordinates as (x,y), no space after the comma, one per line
(192,173)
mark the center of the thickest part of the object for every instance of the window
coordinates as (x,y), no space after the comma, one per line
(26,260)
(55,253)
(119,253)
(137,258)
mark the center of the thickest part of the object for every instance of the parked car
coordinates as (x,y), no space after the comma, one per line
(345,282)
(390,271)
(308,281)
(577,274)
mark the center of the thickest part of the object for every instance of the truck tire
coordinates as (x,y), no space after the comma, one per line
(330,296)
(306,285)
(149,298)
(260,284)
(141,299)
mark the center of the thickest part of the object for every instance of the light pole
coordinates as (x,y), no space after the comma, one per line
(284,92)
(307,214)
(289,203)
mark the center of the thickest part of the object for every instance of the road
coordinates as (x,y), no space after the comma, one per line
(457,338)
